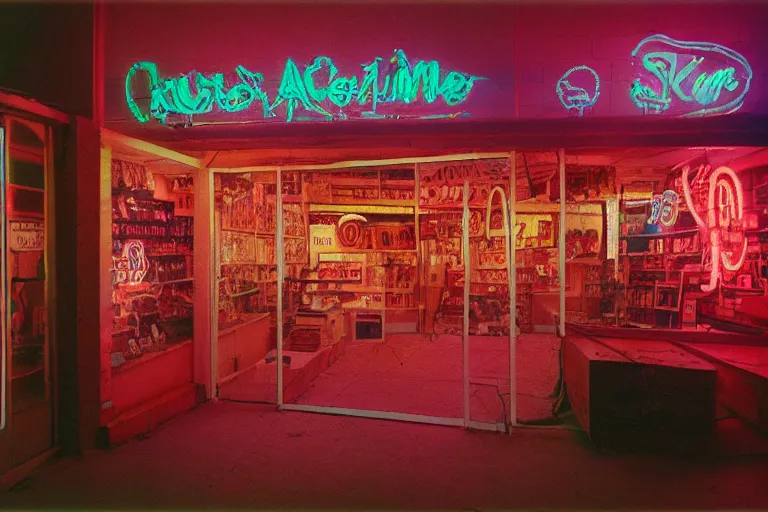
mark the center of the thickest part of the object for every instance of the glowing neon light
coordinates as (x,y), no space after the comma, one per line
(132,265)
(725,210)
(653,218)
(399,83)
(669,208)
(575,97)
(664,209)
(684,74)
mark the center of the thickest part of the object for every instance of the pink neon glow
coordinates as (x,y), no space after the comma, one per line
(669,208)
(722,211)
(723,190)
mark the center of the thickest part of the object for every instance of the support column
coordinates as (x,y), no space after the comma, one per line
(205,346)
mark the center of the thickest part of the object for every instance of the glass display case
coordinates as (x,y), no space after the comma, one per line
(152,255)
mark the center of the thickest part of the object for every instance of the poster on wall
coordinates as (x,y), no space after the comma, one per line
(583,235)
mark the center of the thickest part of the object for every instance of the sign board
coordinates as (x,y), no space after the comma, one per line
(27,236)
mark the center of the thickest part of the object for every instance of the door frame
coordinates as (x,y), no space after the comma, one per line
(465,421)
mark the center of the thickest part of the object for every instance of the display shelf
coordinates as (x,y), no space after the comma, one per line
(165,266)
(668,255)
(330,281)
(239,230)
(354,201)
(148,356)
(175,281)
(118,220)
(19,371)
(243,294)
(670,234)
(167,255)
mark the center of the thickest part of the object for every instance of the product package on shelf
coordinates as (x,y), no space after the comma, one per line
(131,176)
(293,221)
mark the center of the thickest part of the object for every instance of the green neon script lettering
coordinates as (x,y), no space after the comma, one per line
(705,93)
(314,90)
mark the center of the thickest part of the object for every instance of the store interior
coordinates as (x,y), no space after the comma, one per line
(366,267)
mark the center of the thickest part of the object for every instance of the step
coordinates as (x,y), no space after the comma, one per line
(149,415)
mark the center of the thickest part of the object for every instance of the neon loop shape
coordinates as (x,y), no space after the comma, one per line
(402,83)
(706,89)
(574,97)
(725,206)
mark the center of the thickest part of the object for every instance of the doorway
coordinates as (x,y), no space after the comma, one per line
(371,315)
(27,411)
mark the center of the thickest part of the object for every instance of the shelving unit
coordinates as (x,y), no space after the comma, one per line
(653,267)
(152,247)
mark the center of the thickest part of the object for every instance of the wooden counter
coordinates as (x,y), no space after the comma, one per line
(245,344)
(633,394)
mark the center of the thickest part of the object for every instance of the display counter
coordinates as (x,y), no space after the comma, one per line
(149,391)
(154,374)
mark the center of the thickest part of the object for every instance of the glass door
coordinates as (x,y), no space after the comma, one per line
(487,292)
(246,300)
(27,409)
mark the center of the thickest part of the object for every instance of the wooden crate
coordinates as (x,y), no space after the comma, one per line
(646,395)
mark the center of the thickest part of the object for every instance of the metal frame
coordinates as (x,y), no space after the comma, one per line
(466,421)
(561,242)
(512,280)
(50,367)
(280,262)
(467,286)
(3,281)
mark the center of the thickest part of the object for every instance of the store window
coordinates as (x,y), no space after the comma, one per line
(245,248)
(685,239)
(152,255)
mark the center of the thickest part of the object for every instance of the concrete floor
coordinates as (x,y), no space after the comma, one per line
(416,374)
(230,455)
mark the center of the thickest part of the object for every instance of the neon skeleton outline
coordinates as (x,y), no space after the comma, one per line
(403,83)
(707,87)
(575,97)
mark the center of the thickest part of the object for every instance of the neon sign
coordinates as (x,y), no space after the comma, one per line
(725,217)
(664,208)
(132,265)
(319,90)
(692,78)
(575,97)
